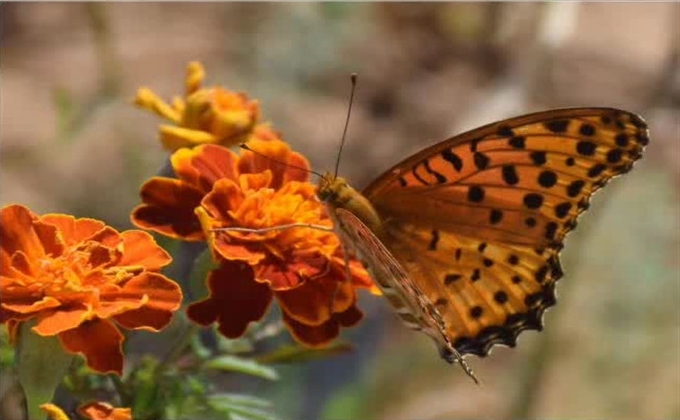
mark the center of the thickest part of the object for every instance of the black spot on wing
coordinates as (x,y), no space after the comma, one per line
(453,159)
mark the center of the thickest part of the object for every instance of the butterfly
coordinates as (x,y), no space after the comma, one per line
(464,237)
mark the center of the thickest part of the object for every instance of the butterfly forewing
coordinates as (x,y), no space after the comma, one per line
(477,221)
(523,180)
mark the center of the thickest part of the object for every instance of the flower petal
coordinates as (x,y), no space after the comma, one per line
(350,317)
(312,336)
(169,209)
(139,248)
(236,299)
(104,411)
(162,297)
(204,165)
(73,230)
(100,342)
(310,303)
(61,320)
(269,155)
(17,234)
(174,138)
(289,273)
(225,197)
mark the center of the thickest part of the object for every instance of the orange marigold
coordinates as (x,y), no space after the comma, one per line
(92,411)
(204,115)
(302,268)
(80,280)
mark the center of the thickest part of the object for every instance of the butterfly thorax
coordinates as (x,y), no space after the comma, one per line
(336,193)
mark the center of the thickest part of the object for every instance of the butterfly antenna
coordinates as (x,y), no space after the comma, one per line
(246,147)
(353,78)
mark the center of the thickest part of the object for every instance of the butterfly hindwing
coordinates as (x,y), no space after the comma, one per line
(487,293)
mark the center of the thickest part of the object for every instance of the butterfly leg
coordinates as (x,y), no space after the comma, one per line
(451,355)
(272,228)
(348,273)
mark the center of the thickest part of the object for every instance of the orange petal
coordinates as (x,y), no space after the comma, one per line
(295,161)
(169,209)
(139,248)
(272,155)
(310,303)
(254,182)
(73,230)
(17,233)
(61,320)
(236,300)
(164,297)
(20,267)
(100,342)
(237,251)
(103,411)
(22,301)
(312,336)
(360,277)
(289,273)
(350,317)
(204,165)
(225,196)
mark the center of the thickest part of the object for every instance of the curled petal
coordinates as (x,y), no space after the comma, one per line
(204,165)
(235,300)
(194,77)
(25,303)
(174,138)
(62,320)
(100,342)
(169,209)
(226,196)
(140,249)
(103,411)
(312,336)
(289,274)
(310,303)
(73,230)
(17,234)
(161,298)
(267,157)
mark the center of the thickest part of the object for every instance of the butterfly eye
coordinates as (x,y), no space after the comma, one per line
(327,194)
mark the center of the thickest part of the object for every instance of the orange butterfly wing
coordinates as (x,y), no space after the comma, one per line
(477,221)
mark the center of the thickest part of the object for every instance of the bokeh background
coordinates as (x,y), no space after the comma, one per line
(73,143)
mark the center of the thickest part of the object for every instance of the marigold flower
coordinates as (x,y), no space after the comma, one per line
(104,411)
(93,411)
(169,203)
(81,280)
(204,115)
(302,268)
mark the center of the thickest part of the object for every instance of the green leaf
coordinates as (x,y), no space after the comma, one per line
(248,413)
(245,366)
(42,365)
(295,353)
(241,400)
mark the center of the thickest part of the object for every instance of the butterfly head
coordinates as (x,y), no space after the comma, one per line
(331,189)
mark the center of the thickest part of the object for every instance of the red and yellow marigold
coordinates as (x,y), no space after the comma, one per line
(205,115)
(302,268)
(92,411)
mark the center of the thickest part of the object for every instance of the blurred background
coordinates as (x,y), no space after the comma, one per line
(73,143)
